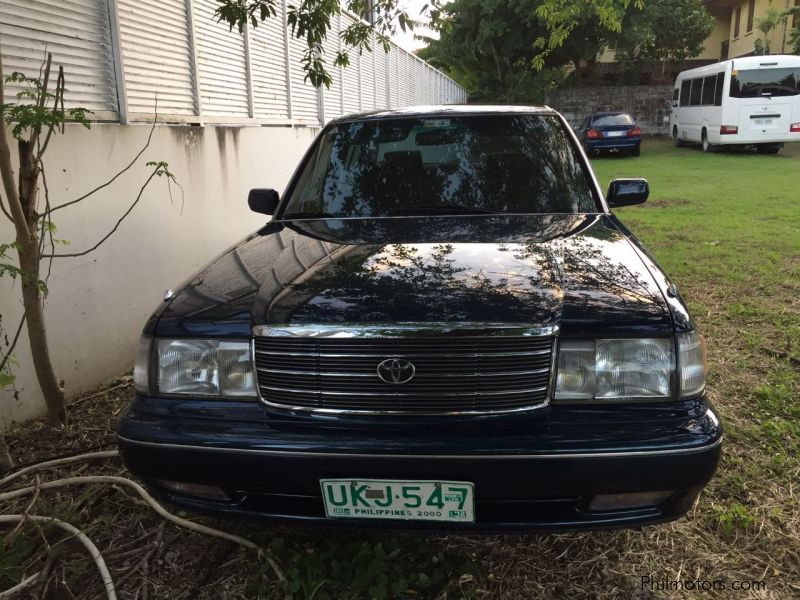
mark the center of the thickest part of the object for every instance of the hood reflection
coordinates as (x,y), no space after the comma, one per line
(576,271)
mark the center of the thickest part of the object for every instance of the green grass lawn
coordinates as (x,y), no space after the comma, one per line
(726,228)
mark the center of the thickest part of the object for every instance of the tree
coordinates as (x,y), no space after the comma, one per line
(562,17)
(311,20)
(32,122)
(501,50)
(771,20)
(663,30)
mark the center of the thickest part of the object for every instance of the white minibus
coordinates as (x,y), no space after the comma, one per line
(750,101)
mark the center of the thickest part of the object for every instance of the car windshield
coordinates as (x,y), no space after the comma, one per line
(604,120)
(442,166)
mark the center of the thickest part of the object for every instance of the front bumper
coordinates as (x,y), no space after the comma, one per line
(534,473)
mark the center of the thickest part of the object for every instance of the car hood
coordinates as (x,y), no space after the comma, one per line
(578,272)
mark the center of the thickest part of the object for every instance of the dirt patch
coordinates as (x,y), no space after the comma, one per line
(664,202)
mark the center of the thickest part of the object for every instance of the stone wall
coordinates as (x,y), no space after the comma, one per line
(648,103)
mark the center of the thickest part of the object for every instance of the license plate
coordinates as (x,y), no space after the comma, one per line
(615,133)
(764,121)
(452,501)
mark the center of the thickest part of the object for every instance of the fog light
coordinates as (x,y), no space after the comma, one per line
(623,501)
(209,492)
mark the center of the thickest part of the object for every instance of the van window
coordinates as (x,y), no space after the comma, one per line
(755,83)
(709,86)
(696,93)
(685,87)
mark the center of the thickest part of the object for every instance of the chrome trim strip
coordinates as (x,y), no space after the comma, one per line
(417,375)
(310,410)
(333,455)
(392,394)
(404,330)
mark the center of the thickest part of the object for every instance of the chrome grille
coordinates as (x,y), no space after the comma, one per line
(453,374)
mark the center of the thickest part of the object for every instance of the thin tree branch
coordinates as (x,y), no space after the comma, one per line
(191,525)
(59,93)
(11,347)
(116,226)
(36,131)
(45,220)
(119,173)
(2,205)
(81,537)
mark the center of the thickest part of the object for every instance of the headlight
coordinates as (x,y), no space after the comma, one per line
(205,368)
(615,369)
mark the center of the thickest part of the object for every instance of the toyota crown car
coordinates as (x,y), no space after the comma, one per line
(442,326)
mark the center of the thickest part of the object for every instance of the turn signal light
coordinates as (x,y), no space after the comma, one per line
(728,129)
(628,501)
(207,492)
(794,128)
(593,134)
(635,132)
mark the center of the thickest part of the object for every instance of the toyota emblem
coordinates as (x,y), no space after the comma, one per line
(396,370)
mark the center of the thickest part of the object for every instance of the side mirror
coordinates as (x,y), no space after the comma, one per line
(263,201)
(626,192)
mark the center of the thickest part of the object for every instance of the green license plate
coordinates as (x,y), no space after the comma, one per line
(404,500)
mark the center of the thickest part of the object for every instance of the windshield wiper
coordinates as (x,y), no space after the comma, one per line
(446,209)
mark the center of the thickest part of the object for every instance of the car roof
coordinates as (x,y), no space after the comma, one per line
(446,110)
(610,114)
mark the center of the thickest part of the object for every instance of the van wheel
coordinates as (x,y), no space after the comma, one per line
(768,149)
(707,146)
(676,141)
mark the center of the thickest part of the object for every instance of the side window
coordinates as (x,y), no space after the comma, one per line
(685,87)
(697,91)
(709,87)
(718,89)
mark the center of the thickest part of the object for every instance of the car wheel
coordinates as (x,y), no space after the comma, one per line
(677,142)
(636,151)
(707,146)
(768,149)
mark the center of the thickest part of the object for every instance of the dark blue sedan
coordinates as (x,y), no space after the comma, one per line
(610,131)
(442,326)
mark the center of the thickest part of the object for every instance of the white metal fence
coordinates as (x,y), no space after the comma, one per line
(118,54)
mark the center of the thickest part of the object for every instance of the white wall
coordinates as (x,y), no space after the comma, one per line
(98,303)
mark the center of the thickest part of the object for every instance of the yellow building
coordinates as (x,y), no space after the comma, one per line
(736,29)
(742,16)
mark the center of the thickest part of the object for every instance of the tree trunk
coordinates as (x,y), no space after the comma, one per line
(6,464)
(32,300)
(32,293)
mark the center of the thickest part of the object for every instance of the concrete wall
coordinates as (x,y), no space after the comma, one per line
(98,303)
(648,103)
